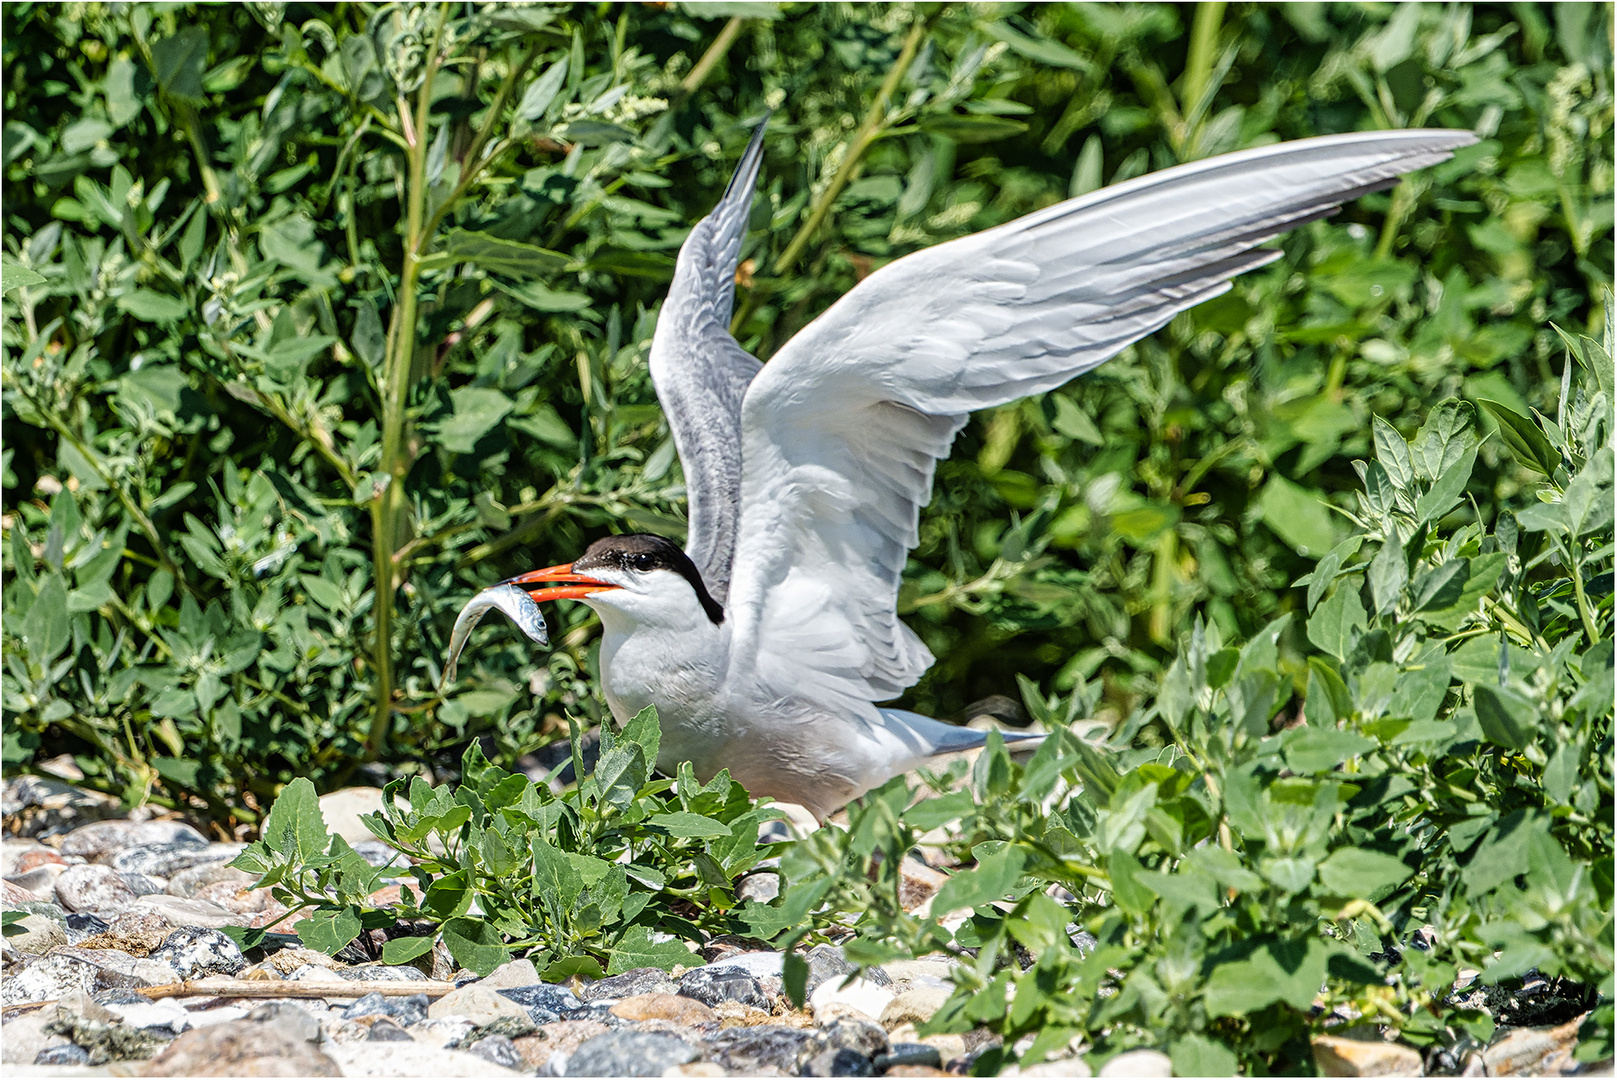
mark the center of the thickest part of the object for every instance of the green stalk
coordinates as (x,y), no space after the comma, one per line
(388,507)
(710,59)
(1199,64)
(862,140)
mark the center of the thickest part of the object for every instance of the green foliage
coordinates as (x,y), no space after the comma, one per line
(614,874)
(1413,780)
(316,321)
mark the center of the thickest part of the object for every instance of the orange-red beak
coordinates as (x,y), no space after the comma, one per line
(582,586)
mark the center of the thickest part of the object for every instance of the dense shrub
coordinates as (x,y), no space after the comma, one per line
(302,299)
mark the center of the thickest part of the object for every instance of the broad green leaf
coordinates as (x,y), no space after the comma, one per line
(1197,1055)
(938,810)
(478,409)
(1336,622)
(1129,887)
(475,945)
(996,873)
(1445,494)
(1387,575)
(1328,699)
(404,949)
(449,896)
(330,931)
(1504,852)
(1313,750)
(1507,718)
(1360,872)
(1524,438)
(971,129)
(644,730)
(620,773)
(45,629)
(1392,454)
(1444,440)
(153,307)
(1289,971)
(1297,516)
(542,91)
(690,826)
(542,298)
(636,949)
(508,257)
(294,827)
(13,276)
(178,63)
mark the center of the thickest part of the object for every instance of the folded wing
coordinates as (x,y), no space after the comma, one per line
(842,429)
(701,374)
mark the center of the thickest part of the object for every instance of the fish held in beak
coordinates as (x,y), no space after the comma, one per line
(512,602)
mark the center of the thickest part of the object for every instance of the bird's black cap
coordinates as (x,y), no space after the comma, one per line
(643,552)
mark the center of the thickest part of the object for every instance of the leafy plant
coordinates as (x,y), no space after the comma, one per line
(1407,790)
(317,320)
(616,873)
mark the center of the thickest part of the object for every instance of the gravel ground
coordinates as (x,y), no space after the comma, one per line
(121,902)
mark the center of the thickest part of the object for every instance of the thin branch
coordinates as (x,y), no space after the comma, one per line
(694,79)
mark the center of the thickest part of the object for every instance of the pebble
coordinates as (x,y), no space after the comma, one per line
(1156,1063)
(768,1050)
(178,911)
(498,1049)
(478,1004)
(343,808)
(860,996)
(403,1011)
(166,860)
(1533,1050)
(630,983)
(914,1006)
(561,1037)
(511,975)
(545,1004)
(674,1008)
(825,962)
(763,887)
(711,985)
(81,924)
(626,1053)
(1338,1056)
(839,1062)
(39,935)
(25,1037)
(195,951)
(37,806)
(393,1059)
(385,1030)
(242,1048)
(909,1053)
(93,887)
(103,838)
(63,1054)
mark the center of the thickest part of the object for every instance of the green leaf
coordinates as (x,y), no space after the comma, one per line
(1040,50)
(1524,438)
(1392,453)
(690,826)
(1336,622)
(620,773)
(971,129)
(1297,516)
(938,810)
(1388,574)
(153,307)
(1507,718)
(329,931)
(541,298)
(502,256)
(1362,873)
(13,276)
(568,966)
(449,896)
(1287,971)
(478,409)
(404,949)
(644,731)
(178,63)
(995,874)
(542,91)
(1197,1055)
(45,629)
(635,949)
(294,827)
(1312,750)
(475,945)
(1445,494)
(1444,440)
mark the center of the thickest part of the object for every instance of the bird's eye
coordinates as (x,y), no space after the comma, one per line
(643,561)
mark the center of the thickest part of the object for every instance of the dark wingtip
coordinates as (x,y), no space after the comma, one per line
(746,173)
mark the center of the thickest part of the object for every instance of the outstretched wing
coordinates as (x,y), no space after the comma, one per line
(701,374)
(842,429)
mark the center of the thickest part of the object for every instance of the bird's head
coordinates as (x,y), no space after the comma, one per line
(644,577)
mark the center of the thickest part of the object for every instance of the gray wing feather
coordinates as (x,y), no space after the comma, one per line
(701,374)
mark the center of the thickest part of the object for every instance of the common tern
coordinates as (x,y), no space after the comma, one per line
(769,641)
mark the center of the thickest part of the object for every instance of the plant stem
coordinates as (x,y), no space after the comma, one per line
(1199,65)
(862,140)
(388,507)
(1584,611)
(710,59)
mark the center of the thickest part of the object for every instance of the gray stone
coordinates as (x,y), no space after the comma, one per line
(497,1048)
(49,978)
(378,854)
(385,1030)
(477,1004)
(629,1053)
(838,1062)
(861,1036)
(393,1059)
(629,984)
(63,1054)
(25,1036)
(762,887)
(115,968)
(178,911)
(40,934)
(101,1033)
(144,885)
(105,837)
(81,924)
(404,1011)
(293,1021)
(36,806)
(185,883)
(93,887)
(827,961)
(1145,1063)
(243,1048)
(195,952)
(545,1004)
(765,1050)
(166,860)
(509,975)
(910,1053)
(711,985)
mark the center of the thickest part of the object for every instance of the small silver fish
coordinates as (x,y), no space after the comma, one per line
(515,604)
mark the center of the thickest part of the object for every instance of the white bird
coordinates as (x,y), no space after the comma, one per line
(767,644)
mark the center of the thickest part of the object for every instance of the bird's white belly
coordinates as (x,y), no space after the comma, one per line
(684,688)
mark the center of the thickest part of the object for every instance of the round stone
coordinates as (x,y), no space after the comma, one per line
(195,952)
(93,888)
(629,1053)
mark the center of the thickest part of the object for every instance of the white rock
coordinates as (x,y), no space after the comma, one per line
(1136,1063)
(47,979)
(510,976)
(761,965)
(442,1032)
(393,1059)
(860,995)
(155,1014)
(476,1003)
(342,810)
(182,912)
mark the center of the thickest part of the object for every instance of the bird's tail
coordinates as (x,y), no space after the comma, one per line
(929,737)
